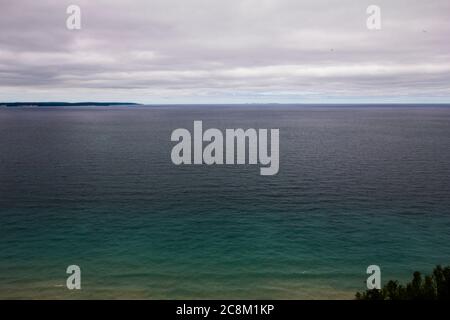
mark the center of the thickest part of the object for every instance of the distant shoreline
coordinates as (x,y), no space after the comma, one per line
(118,104)
(64,104)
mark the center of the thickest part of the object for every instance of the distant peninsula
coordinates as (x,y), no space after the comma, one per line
(64,104)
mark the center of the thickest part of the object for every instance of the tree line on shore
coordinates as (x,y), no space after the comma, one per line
(430,287)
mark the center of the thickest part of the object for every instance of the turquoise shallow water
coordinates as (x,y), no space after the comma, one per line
(96,187)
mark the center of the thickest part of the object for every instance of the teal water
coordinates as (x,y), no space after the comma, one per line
(96,187)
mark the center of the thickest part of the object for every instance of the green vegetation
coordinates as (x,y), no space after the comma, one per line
(431,287)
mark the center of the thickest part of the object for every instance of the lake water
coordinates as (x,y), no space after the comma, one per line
(95,187)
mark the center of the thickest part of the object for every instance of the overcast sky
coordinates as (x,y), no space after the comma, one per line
(210,51)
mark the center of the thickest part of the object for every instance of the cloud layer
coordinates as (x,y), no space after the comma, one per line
(202,51)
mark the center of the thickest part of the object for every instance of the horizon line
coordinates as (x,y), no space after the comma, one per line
(117,103)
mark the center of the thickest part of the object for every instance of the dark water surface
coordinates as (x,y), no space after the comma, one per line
(96,187)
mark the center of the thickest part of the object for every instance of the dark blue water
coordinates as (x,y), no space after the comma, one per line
(96,187)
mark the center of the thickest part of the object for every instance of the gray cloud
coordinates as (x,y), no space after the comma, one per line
(225,51)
